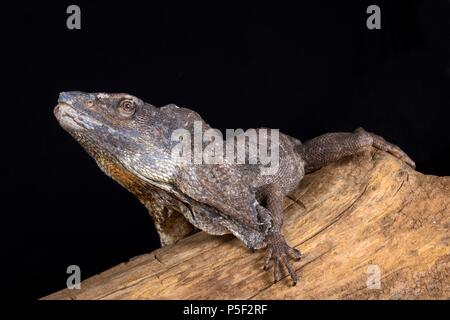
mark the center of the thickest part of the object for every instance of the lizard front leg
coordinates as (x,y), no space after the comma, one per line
(277,248)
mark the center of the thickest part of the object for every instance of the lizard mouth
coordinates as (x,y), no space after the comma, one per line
(71,118)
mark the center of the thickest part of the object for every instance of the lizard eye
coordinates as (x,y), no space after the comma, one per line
(127,108)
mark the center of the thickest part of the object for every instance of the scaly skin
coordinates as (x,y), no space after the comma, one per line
(131,142)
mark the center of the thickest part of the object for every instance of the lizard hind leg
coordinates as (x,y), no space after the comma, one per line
(277,248)
(380,143)
(331,147)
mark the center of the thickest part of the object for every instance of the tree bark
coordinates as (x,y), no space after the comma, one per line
(369,227)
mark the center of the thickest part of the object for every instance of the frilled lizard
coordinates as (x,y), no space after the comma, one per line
(131,142)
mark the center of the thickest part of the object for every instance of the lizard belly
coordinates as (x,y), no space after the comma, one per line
(206,220)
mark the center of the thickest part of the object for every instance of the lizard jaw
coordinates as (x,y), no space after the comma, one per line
(73,119)
(66,117)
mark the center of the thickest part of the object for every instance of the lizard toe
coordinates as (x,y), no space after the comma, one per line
(279,251)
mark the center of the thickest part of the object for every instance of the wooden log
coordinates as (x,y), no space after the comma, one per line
(365,214)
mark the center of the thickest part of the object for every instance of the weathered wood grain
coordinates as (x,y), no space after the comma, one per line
(367,210)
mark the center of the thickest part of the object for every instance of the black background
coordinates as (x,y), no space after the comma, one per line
(305,69)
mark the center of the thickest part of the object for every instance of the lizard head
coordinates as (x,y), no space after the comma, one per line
(119,131)
(98,114)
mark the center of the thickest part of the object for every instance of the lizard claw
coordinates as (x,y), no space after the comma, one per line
(278,251)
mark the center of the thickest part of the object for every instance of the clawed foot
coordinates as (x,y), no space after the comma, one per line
(278,250)
(380,143)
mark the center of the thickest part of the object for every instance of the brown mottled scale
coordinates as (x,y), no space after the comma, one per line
(131,141)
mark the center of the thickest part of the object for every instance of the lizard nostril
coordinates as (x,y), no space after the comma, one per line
(69,96)
(64,96)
